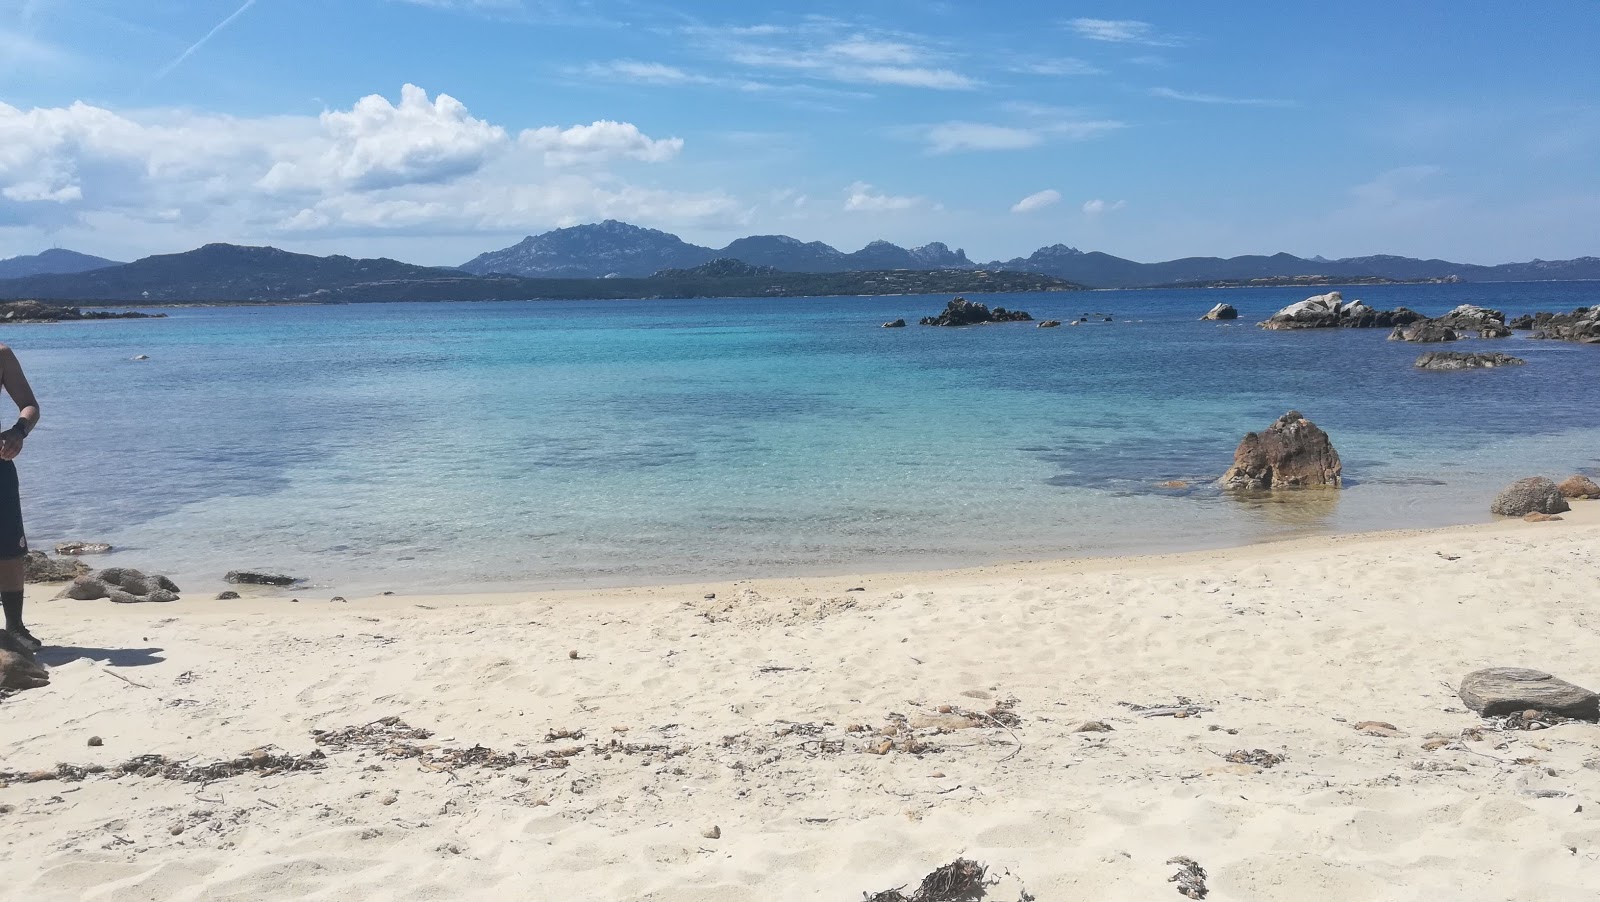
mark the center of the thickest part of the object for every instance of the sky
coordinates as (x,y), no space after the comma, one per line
(434,130)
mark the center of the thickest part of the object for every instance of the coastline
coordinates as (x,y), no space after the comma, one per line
(733,712)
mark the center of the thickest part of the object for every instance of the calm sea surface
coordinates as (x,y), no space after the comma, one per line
(497,445)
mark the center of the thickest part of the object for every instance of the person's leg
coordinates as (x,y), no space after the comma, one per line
(13,551)
(11,575)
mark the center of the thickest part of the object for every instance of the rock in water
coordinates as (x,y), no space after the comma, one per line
(1498,691)
(962,312)
(895,324)
(256,578)
(1530,495)
(1462,360)
(1427,330)
(1579,487)
(1582,324)
(42,568)
(1325,311)
(72,549)
(1472,318)
(1050,324)
(1291,453)
(1221,312)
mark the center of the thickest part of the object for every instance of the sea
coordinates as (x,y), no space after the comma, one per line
(415,447)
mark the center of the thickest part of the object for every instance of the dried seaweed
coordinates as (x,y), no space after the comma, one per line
(392,737)
(260,761)
(1182,707)
(962,880)
(1527,720)
(1258,757)
(1191,877)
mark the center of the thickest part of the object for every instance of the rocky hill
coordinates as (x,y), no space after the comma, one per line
(54,260)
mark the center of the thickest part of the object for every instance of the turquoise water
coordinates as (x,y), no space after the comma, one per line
(429,446)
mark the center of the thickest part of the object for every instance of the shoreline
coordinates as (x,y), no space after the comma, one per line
(792,739)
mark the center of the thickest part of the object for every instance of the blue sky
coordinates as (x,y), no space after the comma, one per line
(1148,130)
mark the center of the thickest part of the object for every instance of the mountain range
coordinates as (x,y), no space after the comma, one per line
(54,260)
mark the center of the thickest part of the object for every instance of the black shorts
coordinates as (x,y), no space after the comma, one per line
(13,541)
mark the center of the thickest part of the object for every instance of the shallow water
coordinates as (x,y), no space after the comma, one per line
(430,446)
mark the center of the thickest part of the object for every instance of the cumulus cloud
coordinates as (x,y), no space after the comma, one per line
(1049,197)
(418,165)
(600,142)
(1121,31)
(861,198)
(1098,207)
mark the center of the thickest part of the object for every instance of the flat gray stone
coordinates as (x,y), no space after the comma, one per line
(1498,691)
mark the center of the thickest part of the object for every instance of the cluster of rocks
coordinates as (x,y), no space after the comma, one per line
(122,585)
(1582,325)
(962,312)
(39,312)
(1466,320)
(1463,360)
(1326,311)
(1291,453)
(1221,312)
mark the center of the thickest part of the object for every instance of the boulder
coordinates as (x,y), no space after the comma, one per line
(1462,360)
(257,578)
(1523,322)
(1579,487)
(1325,311)
(1291,453)
(1495,330)
(1525,496)
(962,312)
(1427,330)
(42,568)
(1049,324)
(1472,318)
(1221,312)
(1498,691)
(1581,325)
(228,595)
(123,585)
(895,324)
(17,668)
(72,549)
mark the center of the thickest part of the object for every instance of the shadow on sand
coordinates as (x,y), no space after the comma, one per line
(56,655)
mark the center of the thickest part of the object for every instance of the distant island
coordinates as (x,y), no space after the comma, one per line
(1309,282)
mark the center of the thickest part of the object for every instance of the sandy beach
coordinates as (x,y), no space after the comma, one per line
(671,745)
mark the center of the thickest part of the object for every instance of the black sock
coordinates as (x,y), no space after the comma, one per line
(12,602)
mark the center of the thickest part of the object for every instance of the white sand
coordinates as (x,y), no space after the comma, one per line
(1291,644)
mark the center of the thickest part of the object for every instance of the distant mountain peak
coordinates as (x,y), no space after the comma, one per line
(56,260)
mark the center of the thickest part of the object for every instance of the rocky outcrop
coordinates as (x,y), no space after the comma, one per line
(39,312)
(1426,330)
(72,549)
(1221,312)
(1523,323)
(257,578)
(39,567)
(1579,487)
(1463,360)
(962,312)
(1526,496)
(895,324)
(1049,324)
(1472,318)
(1582,325)
(1498,691)
(123,585)
(1326,311)
(1291,453)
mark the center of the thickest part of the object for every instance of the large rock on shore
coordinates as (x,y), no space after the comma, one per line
(1427,330)
(1222,312)
(123,585)
(1579,487)
(1291,453)
(1326,311)
(1535,494)
(17,667)
(962,312)
(259,578)
(39,567)
(1581,325)
(1462,360)
(1498,691)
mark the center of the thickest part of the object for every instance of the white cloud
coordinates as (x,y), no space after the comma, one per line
(601,142)
(951,137)
(1191,97)
(643,73)
(1122,31)
(1049,197)
(1061,66)
(1098,207)
(830,50)
(861,198)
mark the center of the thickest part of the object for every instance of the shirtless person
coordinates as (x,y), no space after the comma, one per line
(13,541)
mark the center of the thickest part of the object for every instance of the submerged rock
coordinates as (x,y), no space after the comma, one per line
(1221,312)
(1326,311)
(76,548)
(1427,330)
(962,312)
(1463,360)
(1498,691)
(1526,496)
(256,578)
(1291,453)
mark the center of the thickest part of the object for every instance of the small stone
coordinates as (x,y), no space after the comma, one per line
(1436,743)
(336,598)
(620,729)
(710,595)
(96,742)
(228,595)
(1089,726)
(936,775)
(1536,517)
(573,654)
(882,748)
(177,830)
(389,798)
(945,709)
(712,832)
(1377,728)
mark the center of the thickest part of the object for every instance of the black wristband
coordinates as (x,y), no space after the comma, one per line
(21,425)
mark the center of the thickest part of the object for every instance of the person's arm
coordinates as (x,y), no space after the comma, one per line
(16,385)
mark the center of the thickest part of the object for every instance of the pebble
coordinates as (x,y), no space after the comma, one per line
(229,595)
(712,832)
(389,798)
(177,829)
(96,741)
(945,709)
(573,654)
